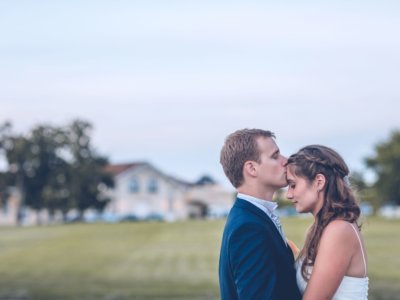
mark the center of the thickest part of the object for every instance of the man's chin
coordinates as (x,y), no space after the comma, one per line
(283,184)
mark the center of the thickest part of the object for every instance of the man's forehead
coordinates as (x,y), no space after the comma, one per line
(273,147)
(269,143)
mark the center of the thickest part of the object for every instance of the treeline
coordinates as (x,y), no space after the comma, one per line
(57,168)
(54,168)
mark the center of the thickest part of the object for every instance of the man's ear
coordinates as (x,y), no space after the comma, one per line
(250,168)
(320,181)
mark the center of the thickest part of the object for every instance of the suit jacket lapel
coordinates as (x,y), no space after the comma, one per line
(285,249)
(255,210)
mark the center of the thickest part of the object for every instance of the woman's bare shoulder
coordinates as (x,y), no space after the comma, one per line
(338,231)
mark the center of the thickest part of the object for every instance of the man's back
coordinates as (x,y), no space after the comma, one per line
(255,263)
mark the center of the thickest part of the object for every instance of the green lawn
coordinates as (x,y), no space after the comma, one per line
(151,260)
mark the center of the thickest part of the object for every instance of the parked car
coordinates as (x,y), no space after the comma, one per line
(129,218)
(154,217)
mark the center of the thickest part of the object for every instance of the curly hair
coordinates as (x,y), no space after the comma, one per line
(339,200)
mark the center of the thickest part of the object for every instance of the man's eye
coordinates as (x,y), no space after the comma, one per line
(292,186)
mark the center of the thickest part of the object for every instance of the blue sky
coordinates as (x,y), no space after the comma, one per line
(166,81)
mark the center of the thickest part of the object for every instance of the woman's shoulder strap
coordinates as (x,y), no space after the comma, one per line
(357,233)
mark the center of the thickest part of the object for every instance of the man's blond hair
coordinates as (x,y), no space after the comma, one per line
(239,147)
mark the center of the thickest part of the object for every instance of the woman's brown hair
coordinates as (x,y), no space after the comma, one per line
(339,200)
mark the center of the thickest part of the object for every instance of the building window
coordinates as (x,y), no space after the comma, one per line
(152,186)
(133,185)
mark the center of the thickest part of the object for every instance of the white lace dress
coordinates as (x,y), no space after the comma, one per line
(351,288)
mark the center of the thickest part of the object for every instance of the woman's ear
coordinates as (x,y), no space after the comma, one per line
(250,168)
(320,181)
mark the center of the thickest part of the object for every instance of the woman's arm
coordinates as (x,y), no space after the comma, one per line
(335,251)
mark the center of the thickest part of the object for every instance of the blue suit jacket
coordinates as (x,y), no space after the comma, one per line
(255,262)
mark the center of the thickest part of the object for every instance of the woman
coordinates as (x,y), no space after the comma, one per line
(332,264)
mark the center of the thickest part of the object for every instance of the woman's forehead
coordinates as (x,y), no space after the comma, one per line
(290,174)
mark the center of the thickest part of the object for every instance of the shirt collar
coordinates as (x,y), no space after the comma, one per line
(265,205)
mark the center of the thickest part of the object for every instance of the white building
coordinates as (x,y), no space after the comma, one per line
(143,191)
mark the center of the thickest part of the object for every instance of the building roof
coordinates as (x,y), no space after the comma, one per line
(116,169)
(205,180)
(120,168)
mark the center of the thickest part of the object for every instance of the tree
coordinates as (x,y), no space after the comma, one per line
(54,168)
(88,179)
(5,179)
(364,192)
(386,164)
(357,181)
(49,186)
(33,161)
(5,182)
(47,163)
(17,152)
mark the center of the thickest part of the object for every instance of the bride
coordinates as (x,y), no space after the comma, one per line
(332,264)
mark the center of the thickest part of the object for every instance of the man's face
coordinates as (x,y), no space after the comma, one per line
(272,170)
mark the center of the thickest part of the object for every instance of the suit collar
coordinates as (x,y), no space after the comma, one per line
(251,207)
(265,205)
(240,203)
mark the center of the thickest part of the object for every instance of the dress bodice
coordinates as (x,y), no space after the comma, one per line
(351,288)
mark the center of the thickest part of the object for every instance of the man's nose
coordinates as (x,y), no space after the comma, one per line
(284,160)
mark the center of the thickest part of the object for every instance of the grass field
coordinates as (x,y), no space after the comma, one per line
(151,260)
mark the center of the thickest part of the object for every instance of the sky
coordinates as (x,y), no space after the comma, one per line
(167,81)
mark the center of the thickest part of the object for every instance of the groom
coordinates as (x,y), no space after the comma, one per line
(255,261)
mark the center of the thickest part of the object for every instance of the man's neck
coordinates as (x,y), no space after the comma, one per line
(260,193)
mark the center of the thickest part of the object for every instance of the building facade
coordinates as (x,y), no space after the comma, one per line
(144,192)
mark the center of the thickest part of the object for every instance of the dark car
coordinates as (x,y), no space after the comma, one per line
(129,218)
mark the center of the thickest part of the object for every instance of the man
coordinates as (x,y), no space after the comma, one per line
(255,260)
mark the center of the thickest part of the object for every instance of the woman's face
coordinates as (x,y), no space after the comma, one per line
(303,194)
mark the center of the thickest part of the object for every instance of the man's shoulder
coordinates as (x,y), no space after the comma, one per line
(245,214)
(242,209)
(247,210)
